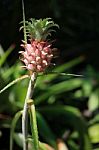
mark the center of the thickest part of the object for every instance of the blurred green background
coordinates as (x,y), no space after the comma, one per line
(67,106)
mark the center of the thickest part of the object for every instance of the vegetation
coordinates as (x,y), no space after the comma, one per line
(66,105)
(66,96)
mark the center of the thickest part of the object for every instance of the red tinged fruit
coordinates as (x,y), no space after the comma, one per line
(38,52)
(37,56)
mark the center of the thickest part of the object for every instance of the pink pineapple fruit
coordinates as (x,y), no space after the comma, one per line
(38,52)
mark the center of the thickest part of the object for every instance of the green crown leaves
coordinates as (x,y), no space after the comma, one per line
(39,29)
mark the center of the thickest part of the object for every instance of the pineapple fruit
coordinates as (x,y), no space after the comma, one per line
(38,52)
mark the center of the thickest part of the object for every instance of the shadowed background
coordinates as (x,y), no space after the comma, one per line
(78,21)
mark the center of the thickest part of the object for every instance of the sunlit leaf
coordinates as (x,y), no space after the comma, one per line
(93,102)
(94,133)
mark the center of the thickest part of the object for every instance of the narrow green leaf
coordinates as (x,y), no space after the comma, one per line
(59,88)
(14,122)
(72,145)
(63,74)
(18,137)
(45,131)
(13,82)
(1,51)
(33,124)
(59,69)
(6,54)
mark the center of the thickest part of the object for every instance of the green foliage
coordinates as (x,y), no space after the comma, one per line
(45,131)
(71,115)
(58,99)
(94,134)
(77,34)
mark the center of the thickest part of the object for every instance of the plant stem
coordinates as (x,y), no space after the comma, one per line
(33,124)
(25,111)
(25,37)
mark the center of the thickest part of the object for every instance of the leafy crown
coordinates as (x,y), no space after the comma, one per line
(39,29)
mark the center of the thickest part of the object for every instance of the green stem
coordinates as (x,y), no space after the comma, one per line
(25,111)
(25,37)
(33,123)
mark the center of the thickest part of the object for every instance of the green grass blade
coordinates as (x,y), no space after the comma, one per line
(33,124)
(1,50)
(13,82)
(63,74)
(15,119)
(59,69)
(6,54)
(59,88)
(45,131)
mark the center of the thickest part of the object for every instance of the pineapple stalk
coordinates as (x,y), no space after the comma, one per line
(36,57)
(25,111)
